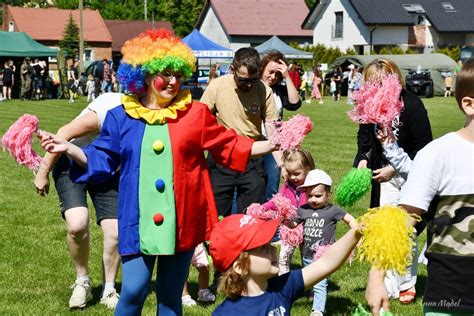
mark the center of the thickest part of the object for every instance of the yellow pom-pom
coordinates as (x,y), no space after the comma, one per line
(387,238)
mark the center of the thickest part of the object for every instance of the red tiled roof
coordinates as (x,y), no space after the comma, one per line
(49,24)
(262,17)
(123,30)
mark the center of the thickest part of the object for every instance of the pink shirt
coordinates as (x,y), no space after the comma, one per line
(297,198)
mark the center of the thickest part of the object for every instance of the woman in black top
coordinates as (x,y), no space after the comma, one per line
(8,80)
(273,68)
(337,75)
(412,132)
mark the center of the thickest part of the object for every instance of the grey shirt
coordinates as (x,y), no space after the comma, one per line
(319,226)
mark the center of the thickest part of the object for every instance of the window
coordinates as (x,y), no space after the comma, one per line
(338,27)
(448,7)
(414,8)
(88,54)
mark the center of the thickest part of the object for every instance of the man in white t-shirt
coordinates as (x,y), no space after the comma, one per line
(441,184)
(73,198)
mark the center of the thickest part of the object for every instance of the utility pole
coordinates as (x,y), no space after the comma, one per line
(145,9)
(81,38)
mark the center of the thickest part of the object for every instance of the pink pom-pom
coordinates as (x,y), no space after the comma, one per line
(293,237)
(283,206)
(290,134)
(378,102)
(319,251)
(18,138)
(257,210)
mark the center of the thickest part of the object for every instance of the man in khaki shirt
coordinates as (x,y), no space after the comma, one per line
(242,102)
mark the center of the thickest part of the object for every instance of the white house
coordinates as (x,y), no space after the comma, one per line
(241,23)
(363,25)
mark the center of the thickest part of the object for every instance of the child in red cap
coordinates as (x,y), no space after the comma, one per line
(240,248)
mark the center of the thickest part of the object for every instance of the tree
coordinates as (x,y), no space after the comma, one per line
(310,3)
(67,4)
(70,41)
(181,13)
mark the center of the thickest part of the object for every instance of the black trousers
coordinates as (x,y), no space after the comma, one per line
(249,185)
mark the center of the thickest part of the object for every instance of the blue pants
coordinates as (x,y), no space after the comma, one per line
(320,291)
(172,272)
(106,86)
(273,176)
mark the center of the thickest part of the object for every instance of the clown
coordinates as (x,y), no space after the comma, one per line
(158,138)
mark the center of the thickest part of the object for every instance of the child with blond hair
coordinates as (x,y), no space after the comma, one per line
(90,88)
(296,165)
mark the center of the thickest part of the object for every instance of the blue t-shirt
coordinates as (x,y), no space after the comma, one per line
(281,292)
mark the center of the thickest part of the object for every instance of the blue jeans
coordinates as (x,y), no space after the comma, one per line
(273,176)
(106,86)
(172,272)
(320,291)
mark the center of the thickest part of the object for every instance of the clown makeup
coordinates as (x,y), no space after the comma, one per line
(164,87)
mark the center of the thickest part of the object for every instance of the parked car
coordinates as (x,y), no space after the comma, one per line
(203,75)
(419,82)
(96,68)
(467,52)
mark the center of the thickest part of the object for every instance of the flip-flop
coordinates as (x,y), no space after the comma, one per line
(407,294)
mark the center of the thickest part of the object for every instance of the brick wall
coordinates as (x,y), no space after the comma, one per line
(7,17)
(417,35)
(469,39)
(101,52)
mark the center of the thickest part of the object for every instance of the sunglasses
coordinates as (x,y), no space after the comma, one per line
(168,76)
(246,80)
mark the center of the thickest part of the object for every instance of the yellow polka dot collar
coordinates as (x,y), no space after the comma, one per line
(135,109)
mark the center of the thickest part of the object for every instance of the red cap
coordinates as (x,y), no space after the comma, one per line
(237,233)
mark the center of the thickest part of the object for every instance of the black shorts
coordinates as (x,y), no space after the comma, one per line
(104,196)
(448,88)
(8,84)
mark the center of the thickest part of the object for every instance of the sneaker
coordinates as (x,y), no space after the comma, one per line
(81,293)
(205,296)
(188,301)
(316,313)
(110,298)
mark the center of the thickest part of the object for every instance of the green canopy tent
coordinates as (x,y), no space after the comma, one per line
(438,64)
(19,44)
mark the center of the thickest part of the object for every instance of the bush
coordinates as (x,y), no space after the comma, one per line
(396,51)
(410,51)
(453,52)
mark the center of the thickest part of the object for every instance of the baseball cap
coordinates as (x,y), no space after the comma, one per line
(237,233)
(351,66)
(315,177)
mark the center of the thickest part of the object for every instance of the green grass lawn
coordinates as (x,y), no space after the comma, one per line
(35,270)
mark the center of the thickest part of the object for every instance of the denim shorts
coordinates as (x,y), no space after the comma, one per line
(104,196)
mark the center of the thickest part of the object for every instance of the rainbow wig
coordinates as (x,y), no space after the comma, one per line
(150,53)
